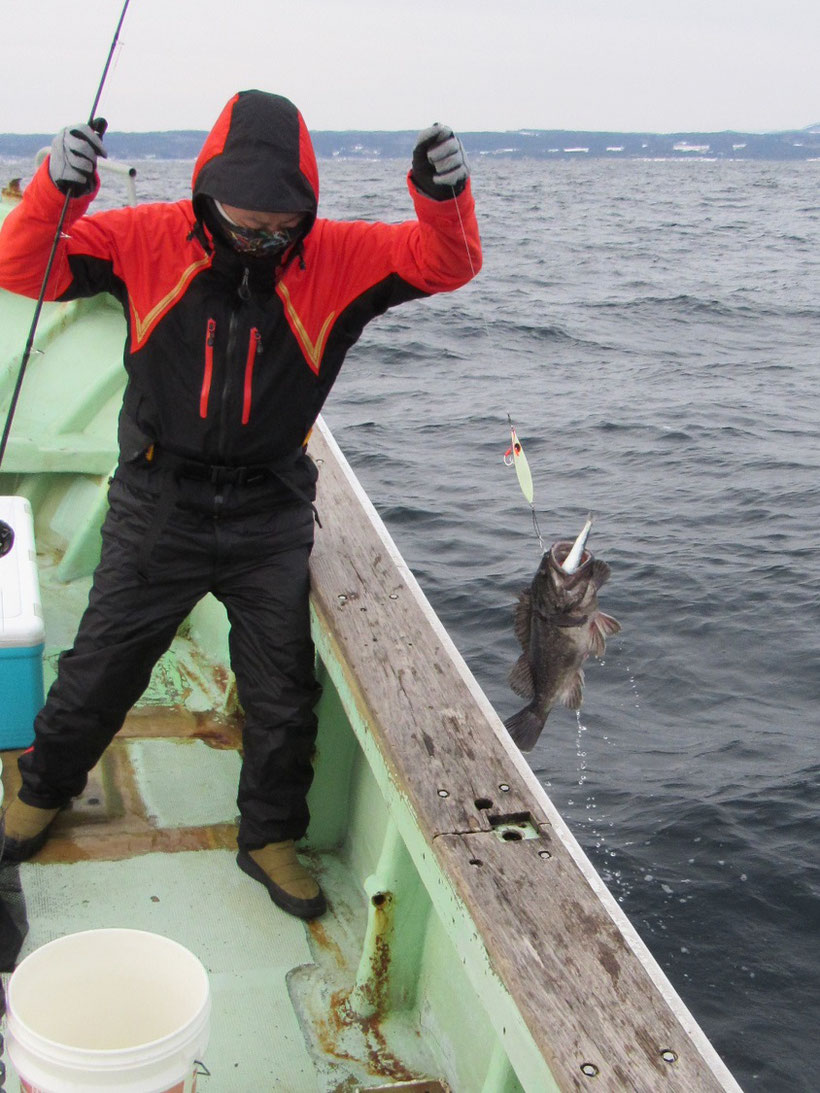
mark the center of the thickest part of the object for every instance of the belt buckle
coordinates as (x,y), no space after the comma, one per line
(234,476)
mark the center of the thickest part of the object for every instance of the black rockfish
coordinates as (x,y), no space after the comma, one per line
(558,624)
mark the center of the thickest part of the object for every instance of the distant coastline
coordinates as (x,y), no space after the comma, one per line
(796,144)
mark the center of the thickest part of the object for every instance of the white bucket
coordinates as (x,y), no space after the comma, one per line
(118,1010)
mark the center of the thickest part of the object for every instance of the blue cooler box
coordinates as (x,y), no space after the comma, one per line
(22,632)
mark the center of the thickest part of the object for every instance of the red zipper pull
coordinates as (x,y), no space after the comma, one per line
(209,369)
(254,347)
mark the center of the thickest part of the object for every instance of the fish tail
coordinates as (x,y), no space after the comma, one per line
(525,727)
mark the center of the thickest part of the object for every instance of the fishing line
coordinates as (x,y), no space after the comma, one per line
(99,126)
(514,456)
(470,260)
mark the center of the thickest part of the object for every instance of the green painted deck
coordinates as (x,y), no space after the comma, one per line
(151,845)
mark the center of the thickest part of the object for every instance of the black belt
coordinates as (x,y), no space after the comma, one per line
(178,467)
(223,476)
(219,474)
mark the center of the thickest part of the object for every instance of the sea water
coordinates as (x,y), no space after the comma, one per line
(653,329)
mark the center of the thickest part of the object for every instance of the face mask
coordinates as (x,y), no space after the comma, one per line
(255,242)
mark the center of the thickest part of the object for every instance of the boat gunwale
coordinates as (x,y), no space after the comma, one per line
(339,579)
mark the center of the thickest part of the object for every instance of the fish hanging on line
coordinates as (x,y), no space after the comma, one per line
(558,624)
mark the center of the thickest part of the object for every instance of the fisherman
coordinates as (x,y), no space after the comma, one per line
(240,307)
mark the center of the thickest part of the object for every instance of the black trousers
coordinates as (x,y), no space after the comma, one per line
(249,545)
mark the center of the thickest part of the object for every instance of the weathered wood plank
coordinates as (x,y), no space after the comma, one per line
(570,968)
(589,991)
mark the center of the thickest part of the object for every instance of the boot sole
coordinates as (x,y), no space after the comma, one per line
(301,908)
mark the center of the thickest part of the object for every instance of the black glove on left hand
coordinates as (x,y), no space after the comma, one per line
(439,163)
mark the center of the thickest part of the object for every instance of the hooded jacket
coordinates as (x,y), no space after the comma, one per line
(230,359)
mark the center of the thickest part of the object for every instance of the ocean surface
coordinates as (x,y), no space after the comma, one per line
(653,329)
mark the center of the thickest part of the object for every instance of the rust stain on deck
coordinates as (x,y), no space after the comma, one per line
(117,846)
(323,941)
(223,731)
(108,821)
(341,1023)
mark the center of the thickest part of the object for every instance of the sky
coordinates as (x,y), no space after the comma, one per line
(620,65)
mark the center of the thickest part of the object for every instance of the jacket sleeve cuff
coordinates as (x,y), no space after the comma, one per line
(50,198)
(453,242)
(424,203)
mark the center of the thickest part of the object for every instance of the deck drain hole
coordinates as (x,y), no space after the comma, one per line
(590,1069)
(378,899)
(483,803)
(514,826)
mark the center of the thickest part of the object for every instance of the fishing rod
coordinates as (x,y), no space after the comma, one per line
(99,126)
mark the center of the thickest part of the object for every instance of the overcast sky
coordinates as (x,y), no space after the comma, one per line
(656,65)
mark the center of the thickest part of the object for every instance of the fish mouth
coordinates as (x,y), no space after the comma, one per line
(572,560)
(558,554)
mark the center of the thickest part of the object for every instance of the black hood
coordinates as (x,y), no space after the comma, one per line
(258,156)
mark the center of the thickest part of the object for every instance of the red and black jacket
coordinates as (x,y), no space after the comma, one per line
(229,360)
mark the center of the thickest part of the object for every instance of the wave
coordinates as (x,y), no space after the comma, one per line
(682,304)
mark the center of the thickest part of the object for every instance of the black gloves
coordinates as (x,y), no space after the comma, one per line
(73,159)
(440,166)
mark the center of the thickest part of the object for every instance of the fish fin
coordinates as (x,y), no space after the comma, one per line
(597,641)
(606,624)
(523,618)
(520,677)
(602,626)
(573,695)
(525,727)
(600,573)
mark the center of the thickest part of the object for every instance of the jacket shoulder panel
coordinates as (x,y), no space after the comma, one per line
(342,260)
(345,259)
(152,255)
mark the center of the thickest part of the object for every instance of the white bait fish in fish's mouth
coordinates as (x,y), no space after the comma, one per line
(558,624)
(576,554)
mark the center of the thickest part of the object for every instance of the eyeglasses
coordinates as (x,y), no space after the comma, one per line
(257,242)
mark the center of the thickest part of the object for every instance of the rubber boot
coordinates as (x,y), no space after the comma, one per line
(290,885)
(25,830)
